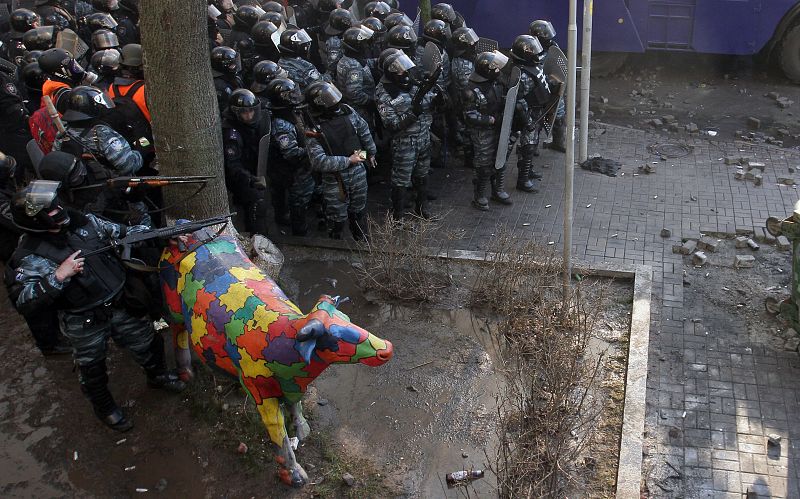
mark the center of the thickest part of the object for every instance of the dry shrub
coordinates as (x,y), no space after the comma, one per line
(548,409)
(397,260)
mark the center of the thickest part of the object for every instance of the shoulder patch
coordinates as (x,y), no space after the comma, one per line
(115,144)
(11,89)
(314,74)
(284,140)
(397,100)
(230,152)
(355,76)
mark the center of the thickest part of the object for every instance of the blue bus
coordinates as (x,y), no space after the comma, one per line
(735,27)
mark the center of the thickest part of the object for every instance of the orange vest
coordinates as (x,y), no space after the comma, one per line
(121,90)
(53,89)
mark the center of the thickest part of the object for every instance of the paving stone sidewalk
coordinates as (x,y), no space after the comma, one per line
(742,392)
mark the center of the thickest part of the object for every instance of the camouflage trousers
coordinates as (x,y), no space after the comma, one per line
(411,158)
(484,143)
(345,192)
(89,333)
(301,190)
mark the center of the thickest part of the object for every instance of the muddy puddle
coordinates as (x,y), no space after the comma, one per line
(429,411)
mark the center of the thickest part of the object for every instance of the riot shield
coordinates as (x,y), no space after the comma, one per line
(35,154)
(555,70)
(263,153)
(431,58)
(5,18)
(71,42)
(291,17)
(508,117)
(486,45)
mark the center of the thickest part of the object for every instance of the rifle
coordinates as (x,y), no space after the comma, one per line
(127,182)
(432,62)
(164,233)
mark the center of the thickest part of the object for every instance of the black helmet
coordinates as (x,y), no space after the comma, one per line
(226,60)
(107,61)
(132,56)
(295,42)
(402,37)
(263,73)
(23,20)
(262,34)
(41,38)
(327,6)
(32,56)
(527,50)
(396,69)
(378,10)
(375,24)
(33,77)
(397,19)
(276,18)
(437,31)
(8,168)
(444,12)
(64,168)
(57,20)
(385,55)
(357,39)
(488,66)
(284,93)
(543,30)
(245,106)
(463,40)
(60,64)
(85,103)
(246,17)
(100,20)
(339,21)
(322,96)
(273,6)
(393,4)
(36,208)
(104,39)
(105,5)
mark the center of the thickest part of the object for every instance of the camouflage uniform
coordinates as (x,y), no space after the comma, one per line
(344,184)
(108,146)
(483,108)
(461,68)
(301,71)
(533,94)
(354,80)
(290,171)
(332,51)
(441,118)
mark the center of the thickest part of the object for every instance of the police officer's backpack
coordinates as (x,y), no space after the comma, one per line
(128,120)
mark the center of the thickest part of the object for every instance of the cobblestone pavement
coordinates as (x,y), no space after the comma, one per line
(734,392)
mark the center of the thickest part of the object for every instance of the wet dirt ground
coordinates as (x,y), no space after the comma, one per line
(717,93)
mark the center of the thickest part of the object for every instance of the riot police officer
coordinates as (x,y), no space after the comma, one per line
(244,124)
(546,34)
(264,47)
(406,115)
(127,29)
(294,47)
(226,67)
(483,108)
(533,95)
(353,75)
(339,21)
(263,73)
(339,153)
(47,272)
(291,182)
(463,43)
(22,21)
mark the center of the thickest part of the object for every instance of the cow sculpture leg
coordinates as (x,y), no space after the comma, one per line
(183,357)
(271,415)
(301,425)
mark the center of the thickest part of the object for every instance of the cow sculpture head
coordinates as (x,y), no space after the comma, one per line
(329,337)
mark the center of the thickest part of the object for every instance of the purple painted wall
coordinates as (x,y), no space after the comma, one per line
(711,26)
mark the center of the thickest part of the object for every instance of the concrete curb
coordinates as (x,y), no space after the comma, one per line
(629,470)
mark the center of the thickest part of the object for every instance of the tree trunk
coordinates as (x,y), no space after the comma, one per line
(425,11)
(183,103)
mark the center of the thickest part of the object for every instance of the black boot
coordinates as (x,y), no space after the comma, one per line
(535,149)
(421,199)
(559,135)
(299,224)
(358,225)
(398,202)
(499,193)
(525,165)
(156,368)
(479,200)
(94,384)
(336,230)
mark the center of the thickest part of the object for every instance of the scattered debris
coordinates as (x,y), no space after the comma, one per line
(349,479)
(753,123)
(161,486)
(242,448)
(322,402)
(752,244)
(601,165)
(786,180)
(129,468)
(783,243)
(741,242)
(744,261)
(699,258)
(666,233)
(774,439)
(412,388)
(708,243)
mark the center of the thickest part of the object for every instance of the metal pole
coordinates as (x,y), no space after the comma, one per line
(586,73)
(569,163)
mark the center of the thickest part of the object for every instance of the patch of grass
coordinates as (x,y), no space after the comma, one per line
(336,461)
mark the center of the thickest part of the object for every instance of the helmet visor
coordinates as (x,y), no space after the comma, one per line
(301,37)
(105,40)
(468,37)
(328,97)
(499,61)
(400,64)
(41,195)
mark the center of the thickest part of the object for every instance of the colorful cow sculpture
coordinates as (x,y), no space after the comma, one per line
(237,319)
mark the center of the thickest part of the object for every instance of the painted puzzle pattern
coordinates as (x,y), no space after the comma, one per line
(238,319)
